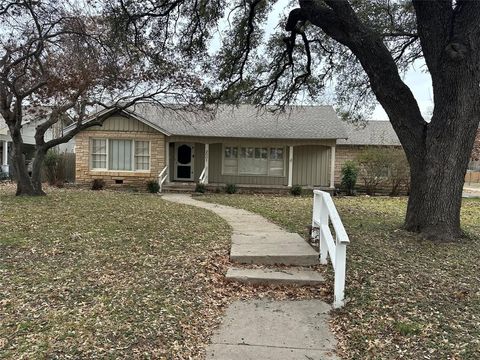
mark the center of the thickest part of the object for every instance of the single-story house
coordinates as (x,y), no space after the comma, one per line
(376,133)
(238,145)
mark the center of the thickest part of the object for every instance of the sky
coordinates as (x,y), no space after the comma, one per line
(417,79)
(420,83)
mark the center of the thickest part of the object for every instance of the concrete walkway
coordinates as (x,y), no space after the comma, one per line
(255,240)
(267,329)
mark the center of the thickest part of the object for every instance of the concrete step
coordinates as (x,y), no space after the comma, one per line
(298,277)
(172,188)
(269,259)
(269,248)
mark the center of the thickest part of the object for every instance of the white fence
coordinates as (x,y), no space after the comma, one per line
(324,214)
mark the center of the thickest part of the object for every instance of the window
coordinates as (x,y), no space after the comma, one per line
(261,153)
(230,160)
(231,152)
(276,153)
(142,155)
(253,161)
(99,153)
(277,163)
(120,154)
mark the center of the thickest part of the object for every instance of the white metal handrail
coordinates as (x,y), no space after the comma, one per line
(202,177)
(324,210)
(162,177)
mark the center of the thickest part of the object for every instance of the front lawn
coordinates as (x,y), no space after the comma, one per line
(408,298)
(88,275)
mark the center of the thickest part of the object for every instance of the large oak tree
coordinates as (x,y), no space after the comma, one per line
(364,47)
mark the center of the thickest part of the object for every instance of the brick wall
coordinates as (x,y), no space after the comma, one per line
(84,175)
(344,153)
(350,152)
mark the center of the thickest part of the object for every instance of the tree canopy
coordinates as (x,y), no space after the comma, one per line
(362,48)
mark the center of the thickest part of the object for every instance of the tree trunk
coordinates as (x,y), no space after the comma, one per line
(37,170)
(434,202)
(25,186)
(437,180)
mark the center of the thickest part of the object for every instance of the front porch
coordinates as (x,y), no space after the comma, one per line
(251,165)
(179,187)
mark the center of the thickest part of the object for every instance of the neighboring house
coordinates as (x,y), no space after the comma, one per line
(31,121)
(4,147)
(373,133)
(239,145)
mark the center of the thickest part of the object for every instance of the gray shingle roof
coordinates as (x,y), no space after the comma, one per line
(246,121)
(374,133)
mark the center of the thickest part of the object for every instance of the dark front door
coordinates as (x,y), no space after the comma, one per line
(184,161)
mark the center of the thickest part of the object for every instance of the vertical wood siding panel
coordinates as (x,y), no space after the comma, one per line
(311,165)
(120,123)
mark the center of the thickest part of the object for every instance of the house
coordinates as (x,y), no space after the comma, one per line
(31,120)
(4,147)
(238,145)
(374,133)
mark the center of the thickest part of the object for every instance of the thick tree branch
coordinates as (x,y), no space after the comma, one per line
(341,23)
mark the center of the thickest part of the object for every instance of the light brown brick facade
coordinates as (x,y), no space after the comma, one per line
(344,153)
(84,175)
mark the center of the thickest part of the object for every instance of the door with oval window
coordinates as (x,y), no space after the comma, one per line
(184,154)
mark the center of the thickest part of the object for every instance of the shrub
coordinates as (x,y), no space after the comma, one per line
(399,171)
(54,168)
(388,166)
(296,190)
(231,189)
(98,184)
(200,188)
(349,177)
(4,176)
(374,164)
(153,187)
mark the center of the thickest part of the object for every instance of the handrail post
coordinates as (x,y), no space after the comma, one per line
(340,265)
(323,219)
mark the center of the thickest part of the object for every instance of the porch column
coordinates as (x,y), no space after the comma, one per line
(290,166)
(332,167)
(207,155)
(5,157)
(167,160)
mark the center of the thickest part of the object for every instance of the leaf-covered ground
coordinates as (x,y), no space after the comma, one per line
(408,298)
(111,275)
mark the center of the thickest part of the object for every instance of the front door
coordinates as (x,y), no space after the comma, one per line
(184,161)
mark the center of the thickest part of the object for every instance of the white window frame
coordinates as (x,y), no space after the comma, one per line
(107,140)
(238,146)
(91,154)
(149,155)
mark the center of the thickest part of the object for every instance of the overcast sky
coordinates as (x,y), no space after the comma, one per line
(420,83)
(416,78)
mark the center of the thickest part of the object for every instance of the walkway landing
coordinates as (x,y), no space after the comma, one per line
(274,330)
